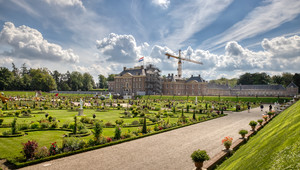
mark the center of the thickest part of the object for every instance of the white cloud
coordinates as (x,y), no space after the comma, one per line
(6,60)
(260,20)
(63,3)
(281,47)
(121,48)
(26,42)
(161,3)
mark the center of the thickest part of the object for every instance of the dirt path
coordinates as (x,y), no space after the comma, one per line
(169,150)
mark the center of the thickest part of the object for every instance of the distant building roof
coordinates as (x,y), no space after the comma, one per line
(259,87)
(133,71)
(293,85)
(196,78)
(217,86)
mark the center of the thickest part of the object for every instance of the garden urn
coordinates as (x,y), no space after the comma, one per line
(199,165)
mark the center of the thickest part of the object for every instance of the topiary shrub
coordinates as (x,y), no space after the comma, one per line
(118,132)
(199,156)
(35,125)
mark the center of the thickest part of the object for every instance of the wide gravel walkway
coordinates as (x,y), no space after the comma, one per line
(169,150)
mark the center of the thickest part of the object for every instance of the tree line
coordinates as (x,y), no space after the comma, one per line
(43,79)
(261,79)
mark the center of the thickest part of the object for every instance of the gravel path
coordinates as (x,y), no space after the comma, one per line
(169,150)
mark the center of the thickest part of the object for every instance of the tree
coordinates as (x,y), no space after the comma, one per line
(76,81)
(88,82)
(102,81)
(287,78)
(255,78)
(296,80)
(111,77)
(57,76)
(97,131)
(5,78)
(277,79)
(144,130)
(42,80)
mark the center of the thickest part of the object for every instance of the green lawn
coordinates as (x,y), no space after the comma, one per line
(276,146)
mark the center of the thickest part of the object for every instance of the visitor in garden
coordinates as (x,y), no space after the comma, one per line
(261,107)
(270,108)
(249,107)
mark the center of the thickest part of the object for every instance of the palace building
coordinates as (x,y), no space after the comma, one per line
(147,81)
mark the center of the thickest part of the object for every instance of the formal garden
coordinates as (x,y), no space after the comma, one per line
(36,128)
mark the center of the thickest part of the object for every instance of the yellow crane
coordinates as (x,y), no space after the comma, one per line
(179,69)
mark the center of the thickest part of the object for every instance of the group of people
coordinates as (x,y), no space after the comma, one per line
(261,107)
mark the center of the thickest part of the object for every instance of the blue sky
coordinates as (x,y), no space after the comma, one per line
(230,37)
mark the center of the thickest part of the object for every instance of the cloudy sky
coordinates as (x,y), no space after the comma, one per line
(230,37)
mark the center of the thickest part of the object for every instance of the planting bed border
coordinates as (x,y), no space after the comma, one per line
(23,164)
(11,136)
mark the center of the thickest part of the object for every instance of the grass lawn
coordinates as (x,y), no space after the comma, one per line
(276,146)
(11,147)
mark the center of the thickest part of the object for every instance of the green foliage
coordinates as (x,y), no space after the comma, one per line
(35,125)
(119,121)
(199,156)
(1,121)
(97,131)
(14,126)
(252,123)
(118,132)
(75,125)
(72,144)
(243,132)
(29,149)
(42,152)
(144,130)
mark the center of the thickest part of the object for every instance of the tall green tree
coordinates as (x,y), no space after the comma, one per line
(111,77)
(76,81)
(57,77)
(6,77)
(287,78)
(296,80)
(255,78)
(102,81)
(88,82)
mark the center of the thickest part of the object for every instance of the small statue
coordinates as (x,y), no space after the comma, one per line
(81,102)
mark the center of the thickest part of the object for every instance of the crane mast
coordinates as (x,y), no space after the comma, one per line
(179,69)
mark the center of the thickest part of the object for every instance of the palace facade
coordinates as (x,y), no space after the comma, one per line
(147,81)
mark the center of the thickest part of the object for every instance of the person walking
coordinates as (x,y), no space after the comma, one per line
(270,108)
(249,107)
(261,107)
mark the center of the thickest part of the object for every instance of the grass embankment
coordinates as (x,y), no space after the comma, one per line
(276,146)
(222,98)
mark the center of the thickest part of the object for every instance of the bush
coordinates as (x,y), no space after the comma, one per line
(260,121)
(135,122)
(252,123)
(85,120)
(72,144)
(65,125)
(243,132)
(97,131)
(29,149)
(54,125)
(71,125)
(199,156)
(1,121)
(42,152)
(6,133)
(44,125)
(108,124)
(35,125)
(119,121)
(23,126)
(53,150)
(118,132)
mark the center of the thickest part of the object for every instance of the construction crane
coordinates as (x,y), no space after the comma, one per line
(179,69)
